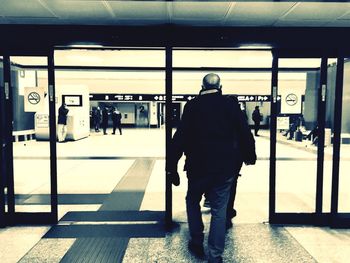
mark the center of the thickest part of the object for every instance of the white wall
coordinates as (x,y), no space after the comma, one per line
(156,86)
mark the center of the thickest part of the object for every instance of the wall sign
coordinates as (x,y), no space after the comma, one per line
(291,102)
(73,100)
(34,99)
(291,99)
(282,123)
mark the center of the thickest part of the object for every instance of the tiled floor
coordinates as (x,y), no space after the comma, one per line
(86,178)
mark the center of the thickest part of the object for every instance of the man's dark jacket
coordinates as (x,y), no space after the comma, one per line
(214,135)
(62,115)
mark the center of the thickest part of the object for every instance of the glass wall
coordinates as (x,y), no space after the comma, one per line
(296,152)
(98,163)
(252,88)
(31,148)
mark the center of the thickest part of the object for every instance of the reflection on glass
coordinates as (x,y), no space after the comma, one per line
(296,152)
(31,135)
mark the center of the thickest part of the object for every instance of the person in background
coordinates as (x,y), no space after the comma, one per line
(62,122)
(97,119)
(116,118)
(256,116)
(104,120)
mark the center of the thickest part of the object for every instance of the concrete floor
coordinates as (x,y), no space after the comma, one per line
(89,170)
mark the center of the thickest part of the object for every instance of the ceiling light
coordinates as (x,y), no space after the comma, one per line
(257,46)
(86,46)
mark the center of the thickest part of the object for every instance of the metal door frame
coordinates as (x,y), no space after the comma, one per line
(338,220)
(11,217)
(2,155)
(318,217)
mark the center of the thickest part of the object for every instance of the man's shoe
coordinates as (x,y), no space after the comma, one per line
(196,250)
(234,213)
(229,224)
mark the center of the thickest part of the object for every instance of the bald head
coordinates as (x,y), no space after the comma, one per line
(211,81)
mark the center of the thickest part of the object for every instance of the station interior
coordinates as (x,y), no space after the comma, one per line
(105,197)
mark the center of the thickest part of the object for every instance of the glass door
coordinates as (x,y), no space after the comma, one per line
(340,208)
(30,137)
(301,146)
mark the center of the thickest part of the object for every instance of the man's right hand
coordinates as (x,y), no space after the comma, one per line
(174,177)
(251,160)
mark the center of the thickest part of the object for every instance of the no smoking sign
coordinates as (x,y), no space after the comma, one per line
(291,99)
(34,98)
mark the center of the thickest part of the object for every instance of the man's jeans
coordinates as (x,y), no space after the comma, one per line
(218,195)
(62,132)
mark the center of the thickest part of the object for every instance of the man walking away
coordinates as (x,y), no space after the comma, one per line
(213,157)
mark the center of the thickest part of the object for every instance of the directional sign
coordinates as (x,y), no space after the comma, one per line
(262,98)
(175,97)
(244,98)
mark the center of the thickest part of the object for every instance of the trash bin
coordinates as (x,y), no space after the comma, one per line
(327,137)
(298,136)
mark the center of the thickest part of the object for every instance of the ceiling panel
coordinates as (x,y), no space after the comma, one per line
(192,13)
(139,22)
(346,16)
(202,10)
(256,11)
(79,9)
(197,22)
(339,23)
(300,23)
(317,11)
(139,10)
(31,20)
(251,22)
(23,8)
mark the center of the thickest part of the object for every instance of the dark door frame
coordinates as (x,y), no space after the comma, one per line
(11,217)
(2,152)
(318,217)
(341,220)
(286,218)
